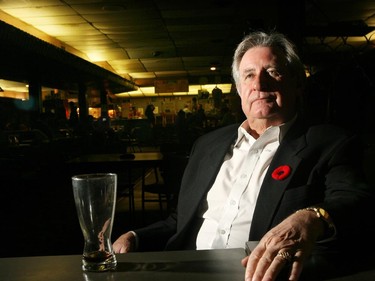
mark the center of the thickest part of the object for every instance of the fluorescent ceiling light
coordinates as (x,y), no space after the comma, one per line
(193,90)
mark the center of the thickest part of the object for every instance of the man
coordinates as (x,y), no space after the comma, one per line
(274,180)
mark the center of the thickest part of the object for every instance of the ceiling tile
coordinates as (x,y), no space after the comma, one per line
(127,66)
(107,55)
(142,75)
(39,11)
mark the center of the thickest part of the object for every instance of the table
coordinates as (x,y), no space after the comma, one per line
(123,165)
(204,265)
(130,159)
(114,162)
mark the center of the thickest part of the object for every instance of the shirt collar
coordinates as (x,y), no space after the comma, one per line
(281,130)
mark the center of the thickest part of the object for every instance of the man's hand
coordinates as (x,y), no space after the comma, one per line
(288,244)
(125,243)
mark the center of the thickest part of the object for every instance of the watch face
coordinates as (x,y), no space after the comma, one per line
(322,212)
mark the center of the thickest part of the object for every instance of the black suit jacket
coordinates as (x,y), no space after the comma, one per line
(326,170)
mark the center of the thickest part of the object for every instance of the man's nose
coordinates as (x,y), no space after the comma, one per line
(256,85)
(260,82)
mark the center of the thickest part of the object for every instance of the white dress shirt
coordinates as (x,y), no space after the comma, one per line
(232,198)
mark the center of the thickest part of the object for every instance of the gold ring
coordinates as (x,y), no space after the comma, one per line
(285,256)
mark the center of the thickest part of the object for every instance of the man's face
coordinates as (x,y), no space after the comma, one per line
(266,87)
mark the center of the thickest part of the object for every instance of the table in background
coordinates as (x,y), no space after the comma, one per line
(117,160)
(125,165)
(114,162)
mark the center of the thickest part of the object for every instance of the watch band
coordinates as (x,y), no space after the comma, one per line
(323,215)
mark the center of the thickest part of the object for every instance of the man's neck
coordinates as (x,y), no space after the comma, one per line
(256,127)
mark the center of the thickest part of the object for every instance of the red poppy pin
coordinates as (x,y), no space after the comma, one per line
(281,172)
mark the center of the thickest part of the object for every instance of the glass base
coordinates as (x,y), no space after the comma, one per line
(99,262)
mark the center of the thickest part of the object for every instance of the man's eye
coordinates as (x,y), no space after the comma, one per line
(249,76)
(273,73)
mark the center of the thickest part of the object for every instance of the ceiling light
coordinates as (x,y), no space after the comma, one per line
(214,66)
(193,90)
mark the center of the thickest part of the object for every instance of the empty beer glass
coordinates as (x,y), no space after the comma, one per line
(95,200)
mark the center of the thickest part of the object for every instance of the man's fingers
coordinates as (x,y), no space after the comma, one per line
(244,261)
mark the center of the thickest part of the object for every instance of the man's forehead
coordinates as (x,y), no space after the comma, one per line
(269,57)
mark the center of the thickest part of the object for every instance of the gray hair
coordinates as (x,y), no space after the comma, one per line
(272,40)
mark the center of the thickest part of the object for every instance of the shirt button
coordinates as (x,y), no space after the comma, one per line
(222,231)
(243,176)
(233,202)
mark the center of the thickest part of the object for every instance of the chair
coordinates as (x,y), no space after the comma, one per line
(132,141)
(167,182)
(125,188)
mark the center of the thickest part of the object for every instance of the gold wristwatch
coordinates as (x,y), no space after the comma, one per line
(325,217)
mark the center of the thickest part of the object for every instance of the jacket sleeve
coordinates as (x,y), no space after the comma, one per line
(154,237)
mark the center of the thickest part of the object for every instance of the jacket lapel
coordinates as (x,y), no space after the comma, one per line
(272,190)
(208,164)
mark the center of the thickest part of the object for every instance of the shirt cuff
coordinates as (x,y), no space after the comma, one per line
(136,239)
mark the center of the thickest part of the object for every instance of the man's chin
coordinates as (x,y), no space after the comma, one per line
(264,114)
